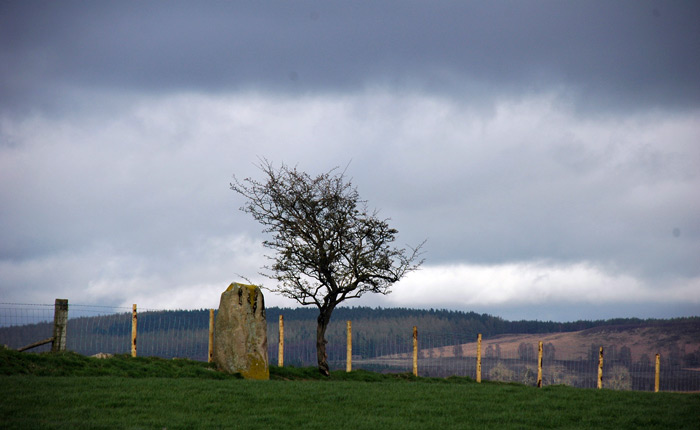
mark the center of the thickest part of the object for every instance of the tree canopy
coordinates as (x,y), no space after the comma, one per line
(327,246)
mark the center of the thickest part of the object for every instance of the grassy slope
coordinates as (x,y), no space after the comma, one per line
(189,395)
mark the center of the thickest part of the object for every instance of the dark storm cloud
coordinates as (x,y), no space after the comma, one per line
(547,150)
(607,55)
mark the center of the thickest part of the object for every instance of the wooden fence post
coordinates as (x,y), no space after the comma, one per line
(415,351)
(133,331)
(600,368)
(60,322)
(539,365)
(656,373)
(348,362)
(478,358)
(280,352)
(210,356)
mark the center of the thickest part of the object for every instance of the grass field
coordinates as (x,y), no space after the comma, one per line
(70,391)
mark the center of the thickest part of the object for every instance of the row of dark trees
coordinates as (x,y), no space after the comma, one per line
(382,321)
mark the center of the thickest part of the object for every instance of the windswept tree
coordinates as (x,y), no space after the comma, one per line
(327,246)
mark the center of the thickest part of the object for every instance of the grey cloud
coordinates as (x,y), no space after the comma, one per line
(608,55)
(111,208)
(504,132)
(516,193)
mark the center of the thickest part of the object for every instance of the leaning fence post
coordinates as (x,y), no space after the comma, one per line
(210,355)
(280,352)
(133,331)
(656,373)
(60,322)
(539,365)
(415,351)
(600,368)
(348,362)
(478,358)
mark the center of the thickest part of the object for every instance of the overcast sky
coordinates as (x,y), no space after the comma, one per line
(548,151)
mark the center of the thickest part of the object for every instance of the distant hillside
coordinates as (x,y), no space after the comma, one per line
(376,332)
(631,339)
(678,342)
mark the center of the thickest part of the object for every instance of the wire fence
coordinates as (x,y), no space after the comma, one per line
(448,354)
(185,334)
(107,329)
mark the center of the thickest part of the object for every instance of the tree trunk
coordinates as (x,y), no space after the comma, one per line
(324,318)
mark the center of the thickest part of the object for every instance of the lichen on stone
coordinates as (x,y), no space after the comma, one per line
(252,297)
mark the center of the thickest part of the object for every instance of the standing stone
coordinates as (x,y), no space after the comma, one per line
(240,334)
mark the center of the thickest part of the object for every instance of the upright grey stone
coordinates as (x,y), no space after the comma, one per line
(240,334)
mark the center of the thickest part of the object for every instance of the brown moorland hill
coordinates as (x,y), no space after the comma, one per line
(673,340)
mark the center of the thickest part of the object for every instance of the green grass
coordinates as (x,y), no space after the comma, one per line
(70,391)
